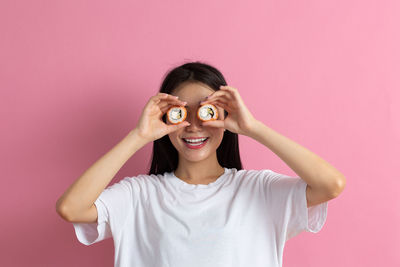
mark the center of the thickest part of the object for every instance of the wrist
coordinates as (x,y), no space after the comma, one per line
(138,137)
(254,129)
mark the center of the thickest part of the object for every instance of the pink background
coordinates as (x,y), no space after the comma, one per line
(75,76)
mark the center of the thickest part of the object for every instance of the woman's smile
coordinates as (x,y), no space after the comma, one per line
(195,142)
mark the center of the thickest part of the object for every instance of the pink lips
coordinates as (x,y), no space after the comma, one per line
(191,146)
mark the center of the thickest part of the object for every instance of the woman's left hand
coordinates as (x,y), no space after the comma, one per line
(239,119)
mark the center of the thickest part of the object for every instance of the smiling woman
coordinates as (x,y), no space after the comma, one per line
(196,144)
(193,83)
(197,206)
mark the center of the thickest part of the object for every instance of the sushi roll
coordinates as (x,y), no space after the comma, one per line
(207,112)
(176,114)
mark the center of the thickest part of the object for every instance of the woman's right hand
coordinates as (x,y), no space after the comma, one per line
(150,126)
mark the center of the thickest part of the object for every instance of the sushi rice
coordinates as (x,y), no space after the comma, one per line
(207,112)
(176,114)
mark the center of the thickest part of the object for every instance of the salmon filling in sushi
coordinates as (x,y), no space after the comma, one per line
(176,114)
(207,112)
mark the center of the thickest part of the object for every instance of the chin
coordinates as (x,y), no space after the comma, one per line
(193,158)
(195,155)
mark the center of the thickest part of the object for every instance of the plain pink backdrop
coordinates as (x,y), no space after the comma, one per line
(75,75)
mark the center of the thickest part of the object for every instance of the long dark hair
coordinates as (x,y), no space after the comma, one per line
(165,156)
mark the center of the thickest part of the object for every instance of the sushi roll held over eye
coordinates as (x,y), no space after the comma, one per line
(176,114)
(207,112)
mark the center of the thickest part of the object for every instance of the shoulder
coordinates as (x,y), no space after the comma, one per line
(266,176)
(253,176)
(259,174)
(138,182)
(144,179)
(141,185)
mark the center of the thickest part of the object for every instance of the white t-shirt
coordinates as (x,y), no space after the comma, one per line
(243,219)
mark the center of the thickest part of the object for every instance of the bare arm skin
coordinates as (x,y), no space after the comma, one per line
(324,182)
(77,202)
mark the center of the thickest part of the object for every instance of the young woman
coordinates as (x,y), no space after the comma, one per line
(197,206)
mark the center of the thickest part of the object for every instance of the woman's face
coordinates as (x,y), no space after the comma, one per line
(193,94)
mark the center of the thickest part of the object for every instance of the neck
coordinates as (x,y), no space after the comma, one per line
(200,172)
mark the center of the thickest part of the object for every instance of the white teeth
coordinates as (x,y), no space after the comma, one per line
(195,140)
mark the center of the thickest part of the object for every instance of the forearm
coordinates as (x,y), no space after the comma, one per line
(87,188)
(315,171)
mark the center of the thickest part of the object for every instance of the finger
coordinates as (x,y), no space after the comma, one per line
(168,103)
(234,92)
(218,102)
(222,98)
(227,87)
(174,102)
(221,93)
(154,100)
(158,96)
(166,106)
(216,123)
(223,106)
(164,109)
(163,96)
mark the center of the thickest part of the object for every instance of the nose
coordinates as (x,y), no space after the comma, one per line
(195,122)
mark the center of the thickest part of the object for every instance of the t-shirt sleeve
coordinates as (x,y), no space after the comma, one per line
(113,207)
(287,200)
